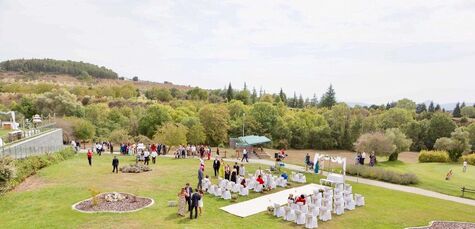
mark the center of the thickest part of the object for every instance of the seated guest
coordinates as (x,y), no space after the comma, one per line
(260,180)
(285,176)
(291,198)
(243,182)
(234,176)
(301,198)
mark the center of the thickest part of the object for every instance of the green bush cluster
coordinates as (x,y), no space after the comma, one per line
(433,156)
(470,158)
(375,173)
(13,172)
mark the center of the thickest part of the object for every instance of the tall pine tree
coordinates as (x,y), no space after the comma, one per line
(229,93)
(457,113)
(328,99)
(431,107)
(282,96)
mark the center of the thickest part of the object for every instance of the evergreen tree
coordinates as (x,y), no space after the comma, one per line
(421,107)
(457,113)
(462,106)
(314,100)
(254,95)
(230,93)
(282,96)
(437,108)
(328,99)
(300,103)
(431,107)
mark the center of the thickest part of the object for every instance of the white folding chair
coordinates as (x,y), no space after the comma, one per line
(278,210)
(359,200)
(299,217)
(227,195)
(289,214)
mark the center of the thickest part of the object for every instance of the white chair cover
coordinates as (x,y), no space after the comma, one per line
(227,195)
(294,206)
(243,191)
(299,217)
(311,221)
(359,200)
(278,210)
(339,208)
(289,214)
(236,188)
(304,209)
(258,188)
(325,214)
(218,192)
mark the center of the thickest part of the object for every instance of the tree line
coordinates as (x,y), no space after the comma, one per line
(75,68)
(200,116)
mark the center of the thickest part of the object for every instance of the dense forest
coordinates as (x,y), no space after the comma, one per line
(77,69)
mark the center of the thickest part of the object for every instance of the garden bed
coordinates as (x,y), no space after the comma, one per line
(114,202)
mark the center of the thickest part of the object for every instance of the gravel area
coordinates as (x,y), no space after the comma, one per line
(449,225)
(130,203)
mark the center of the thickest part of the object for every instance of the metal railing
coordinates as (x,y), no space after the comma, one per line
(28,133)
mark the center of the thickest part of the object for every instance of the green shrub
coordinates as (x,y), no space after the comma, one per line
(382,174)
(13,172)
(470,158)
(433,156)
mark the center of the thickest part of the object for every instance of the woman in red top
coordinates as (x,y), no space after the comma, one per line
(89,157)
(260,180)
(301,198)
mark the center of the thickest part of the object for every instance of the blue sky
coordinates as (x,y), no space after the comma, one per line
(371,51)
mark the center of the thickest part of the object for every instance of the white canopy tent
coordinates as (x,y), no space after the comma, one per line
(341,161)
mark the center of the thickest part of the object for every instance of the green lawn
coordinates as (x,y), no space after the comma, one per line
(432,176)
(3,132)
(61,185)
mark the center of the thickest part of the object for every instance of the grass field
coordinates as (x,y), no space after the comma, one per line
(4,132)
(432,176)
(44,201)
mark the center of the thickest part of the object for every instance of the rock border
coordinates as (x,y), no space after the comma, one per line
(431,223)
(129,211)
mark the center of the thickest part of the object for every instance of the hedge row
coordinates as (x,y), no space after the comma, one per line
(13,172)
(382,174)
(433,156)
(470,158)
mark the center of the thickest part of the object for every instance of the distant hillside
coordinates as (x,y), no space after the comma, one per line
(74,68)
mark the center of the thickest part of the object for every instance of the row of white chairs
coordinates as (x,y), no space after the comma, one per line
(319,206)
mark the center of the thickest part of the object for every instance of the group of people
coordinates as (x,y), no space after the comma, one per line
(361,157)
(224,170)
(201,151)
(193,201)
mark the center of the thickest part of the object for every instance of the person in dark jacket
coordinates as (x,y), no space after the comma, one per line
(200,179)
(234,176)
(195,198)
(115,165)
(189,192)
(216,165)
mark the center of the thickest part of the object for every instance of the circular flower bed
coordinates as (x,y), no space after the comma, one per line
(114,202)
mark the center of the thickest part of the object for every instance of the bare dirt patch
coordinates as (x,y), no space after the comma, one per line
(31,183)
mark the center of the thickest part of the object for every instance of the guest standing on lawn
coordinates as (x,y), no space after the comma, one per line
(216,165)
(188,191)
(244,155)
(221,169)
(115,165)
(154,156)
(200,203)
(181,202)
(242,171)
(89,157)
(195,198)
(200,179)
(465,164)
(227,172)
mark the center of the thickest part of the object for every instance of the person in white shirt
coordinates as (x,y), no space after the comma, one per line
(154,155)
(146,156)
(465,166)
(363,156)
(244,155)
(242,171)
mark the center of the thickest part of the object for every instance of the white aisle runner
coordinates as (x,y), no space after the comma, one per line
(260,204)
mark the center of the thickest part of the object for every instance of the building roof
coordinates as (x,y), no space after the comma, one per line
(251,140)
